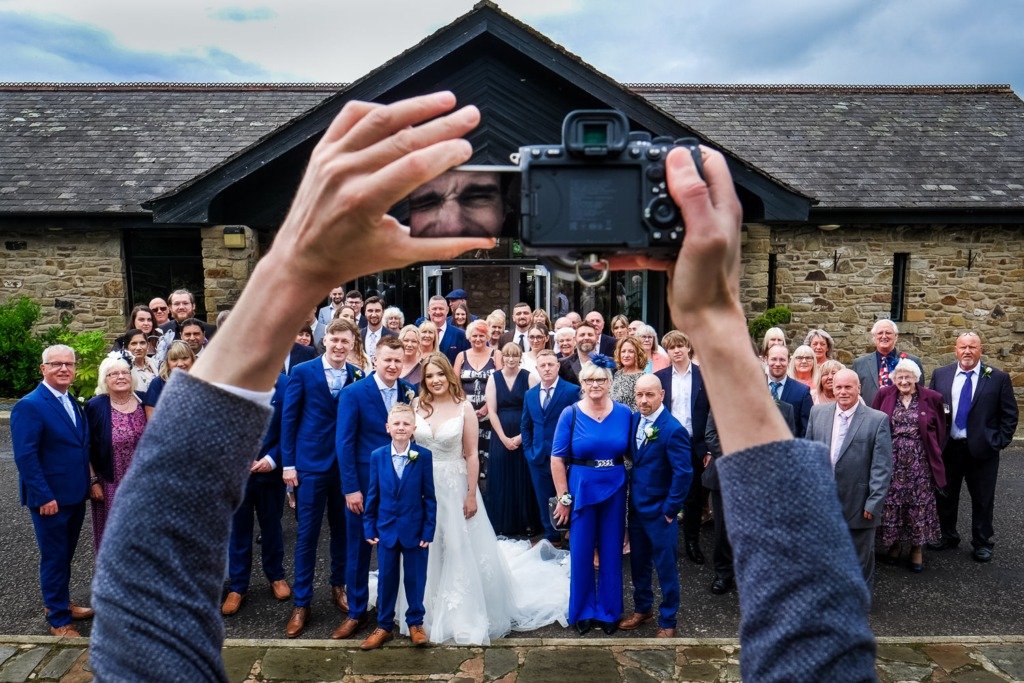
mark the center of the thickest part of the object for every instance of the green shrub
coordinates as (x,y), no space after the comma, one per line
(20,349)
(773,317)
(90,350)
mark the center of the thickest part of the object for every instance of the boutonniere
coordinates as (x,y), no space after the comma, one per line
(410,394)
(358,373)
(903,355)
(413,455)
(650,433)
(987,372)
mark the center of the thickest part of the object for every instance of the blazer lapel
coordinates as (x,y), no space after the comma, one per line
(634,425)
(982,384)
(696,384)
(855,423)
(59,407)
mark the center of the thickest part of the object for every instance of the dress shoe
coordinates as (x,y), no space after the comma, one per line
(376,639)
(65,631)
(722,585)
(231,603)
(349,627)
(665,633)
(418,636)
(634,620)
(609,627)
(297,622)
(915,567)
(982,554)
(282,591)
(77,613)
(944,543)
(340,599)
(583,626)
(693,552)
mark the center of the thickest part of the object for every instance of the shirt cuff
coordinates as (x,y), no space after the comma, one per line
(258,397)
(273,465)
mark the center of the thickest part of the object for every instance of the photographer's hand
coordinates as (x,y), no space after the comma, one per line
(337,229)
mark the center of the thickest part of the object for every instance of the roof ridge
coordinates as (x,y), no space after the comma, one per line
(168,86)
(822,87)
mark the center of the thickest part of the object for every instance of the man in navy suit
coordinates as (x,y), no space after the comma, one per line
(658,484)
(308,422)
(51,449)
(785,388)
(264,499)
(361,429)
(606,343)
(400,519)
(688,403)
(298,354)
(541,408)
(451,339)
(984,418)
(586,345)
(373,311)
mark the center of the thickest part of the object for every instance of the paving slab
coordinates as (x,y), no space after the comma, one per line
(18,667)
(660,663)
(1008,658)
(896,672)
(61,663)
(499,662)
(5,652)
(699,673)
(703,653)
(902,653)
(978,676)
(405,661)
(638,676)
(585,665)
(949,656)
(238,661)
(304,664)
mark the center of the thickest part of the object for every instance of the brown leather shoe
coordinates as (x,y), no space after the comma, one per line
(66,631)
(634,620)
(297,622)
(348,628)
(340,599)
(77,613)
(418,635)
(376,639)
(665,633)
(231,603)
(282,591)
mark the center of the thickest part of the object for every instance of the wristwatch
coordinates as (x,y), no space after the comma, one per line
(565,499)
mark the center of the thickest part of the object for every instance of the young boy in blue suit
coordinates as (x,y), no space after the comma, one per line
(399,518)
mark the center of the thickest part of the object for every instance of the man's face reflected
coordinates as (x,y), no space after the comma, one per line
(458,203)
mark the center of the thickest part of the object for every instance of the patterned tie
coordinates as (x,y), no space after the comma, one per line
(776,390)
(389,397)
(883,373)
(964,405)
(641,434)
(545,396)
(336,381)
(399,461)
(66,402)
(844,425)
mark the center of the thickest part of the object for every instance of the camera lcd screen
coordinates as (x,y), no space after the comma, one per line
(575,206)
(466,201)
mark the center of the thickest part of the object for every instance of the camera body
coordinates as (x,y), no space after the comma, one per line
(600,193)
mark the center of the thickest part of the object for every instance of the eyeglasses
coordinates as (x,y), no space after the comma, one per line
(57,365)
(534,337)
(119,373)
(803,357)
(595,381)
(158,308)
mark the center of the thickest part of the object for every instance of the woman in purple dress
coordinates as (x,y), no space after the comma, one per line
(116,420)
(918,427)
(511,503)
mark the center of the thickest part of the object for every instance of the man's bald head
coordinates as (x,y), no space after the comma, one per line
(846,389)
(649,394)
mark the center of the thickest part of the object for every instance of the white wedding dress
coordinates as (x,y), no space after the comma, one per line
(479,587)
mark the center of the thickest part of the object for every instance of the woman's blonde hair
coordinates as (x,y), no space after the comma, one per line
(428,325)
(454,385)
(178,350)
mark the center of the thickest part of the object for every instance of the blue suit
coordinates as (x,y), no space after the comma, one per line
(400,513)
(299,354)
(307,443)
(362,417)
(52,455)
(798,395)
(453,341)
(264,498)
(538,431)
(659,482)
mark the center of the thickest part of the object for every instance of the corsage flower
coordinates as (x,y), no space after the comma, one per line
(413,455)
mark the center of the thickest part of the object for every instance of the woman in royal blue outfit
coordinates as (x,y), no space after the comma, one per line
(592,439)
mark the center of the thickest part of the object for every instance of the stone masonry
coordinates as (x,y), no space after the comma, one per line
(226,270)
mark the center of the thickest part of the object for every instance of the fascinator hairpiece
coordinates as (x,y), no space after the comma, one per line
(602,361)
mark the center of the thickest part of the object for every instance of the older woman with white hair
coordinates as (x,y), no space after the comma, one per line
(821,344)
(803,369)
(116,420)
(657,357)
(591,440)
(393,319)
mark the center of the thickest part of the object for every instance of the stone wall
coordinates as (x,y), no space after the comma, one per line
(959,278)
(72,273)
(226,270)
(488,289)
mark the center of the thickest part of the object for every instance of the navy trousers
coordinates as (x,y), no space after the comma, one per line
(264,502)
(414,561)
(318,491)
(544,489)
(599,526)
(57,537)
(653,547)
(358,551)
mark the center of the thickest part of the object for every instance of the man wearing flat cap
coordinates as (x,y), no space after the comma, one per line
(456,297)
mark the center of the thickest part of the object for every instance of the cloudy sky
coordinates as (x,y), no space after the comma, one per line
(680,41)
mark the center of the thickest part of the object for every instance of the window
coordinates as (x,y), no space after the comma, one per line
(161,260)
(900,261)
(772,268)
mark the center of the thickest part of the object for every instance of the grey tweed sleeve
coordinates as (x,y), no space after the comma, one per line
(803,601)
(160,571)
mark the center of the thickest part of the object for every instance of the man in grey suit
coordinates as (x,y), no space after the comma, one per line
(874,369)
(860,447)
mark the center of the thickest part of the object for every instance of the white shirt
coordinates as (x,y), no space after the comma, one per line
(958,385)
(372,337)
(651,419)
(682,391)
(550,391)
(520,339)
(836,423)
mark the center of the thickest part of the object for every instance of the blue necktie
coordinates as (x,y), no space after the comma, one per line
(389,397)
(641,434)
(399,461)
(336,381)
(964,406)
(66,402)
(776,386)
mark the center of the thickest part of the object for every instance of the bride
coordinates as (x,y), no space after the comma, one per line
(478,588)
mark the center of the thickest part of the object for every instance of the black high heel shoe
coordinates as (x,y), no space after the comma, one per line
(583,626)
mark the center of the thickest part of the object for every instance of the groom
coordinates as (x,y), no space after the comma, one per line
(362,420)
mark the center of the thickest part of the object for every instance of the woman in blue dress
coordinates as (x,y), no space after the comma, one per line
(592,439)
(510,500)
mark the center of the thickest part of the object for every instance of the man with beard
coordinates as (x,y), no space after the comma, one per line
(586,341)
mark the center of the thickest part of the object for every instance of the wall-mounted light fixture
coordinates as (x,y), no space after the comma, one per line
(828,227)
(234,237)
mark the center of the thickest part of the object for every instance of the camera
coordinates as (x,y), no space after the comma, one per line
(601,192)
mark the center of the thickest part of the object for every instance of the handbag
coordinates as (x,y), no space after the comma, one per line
(553,500)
